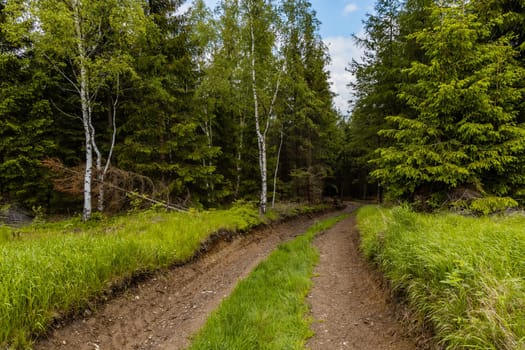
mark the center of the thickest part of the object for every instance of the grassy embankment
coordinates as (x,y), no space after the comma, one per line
(464,276)
(49,270)
(268,310)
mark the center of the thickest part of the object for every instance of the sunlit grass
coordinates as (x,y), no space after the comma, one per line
(55,269)
(268,309)
(465,276)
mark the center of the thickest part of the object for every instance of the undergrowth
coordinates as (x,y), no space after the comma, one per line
(55,269)
(463,276)
(267,310)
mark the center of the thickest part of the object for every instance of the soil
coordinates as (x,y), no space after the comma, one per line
(163,312)
(350,308)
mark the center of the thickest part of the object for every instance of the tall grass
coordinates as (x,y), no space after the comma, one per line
(465,276)
(59,268)
(268,309)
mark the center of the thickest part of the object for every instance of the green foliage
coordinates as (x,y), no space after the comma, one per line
(462,128)
(57,268)
(439,99)
(161,136)
(308,122)
(375,94)
(268,310)
(490,205)
(179,90)
(25,123)
(463,276)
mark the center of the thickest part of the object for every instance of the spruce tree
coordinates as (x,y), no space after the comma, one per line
(309,123)
(162,136)
(461,129)
(25,122)
(377,77)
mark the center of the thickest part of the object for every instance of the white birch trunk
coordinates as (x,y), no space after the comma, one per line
(207,128)
(102,172)
(261,141)
(86,213)
(86,113)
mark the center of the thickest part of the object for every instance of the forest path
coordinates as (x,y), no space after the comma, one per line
(165,310)
(350,308)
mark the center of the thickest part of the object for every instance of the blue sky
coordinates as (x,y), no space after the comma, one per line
(339,20)
(341,17)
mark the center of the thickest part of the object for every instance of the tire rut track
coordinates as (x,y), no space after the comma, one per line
(165,310)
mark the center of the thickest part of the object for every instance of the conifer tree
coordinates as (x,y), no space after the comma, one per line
(377,77)
(162,136)
(461,129)
(25,122)
(309,120)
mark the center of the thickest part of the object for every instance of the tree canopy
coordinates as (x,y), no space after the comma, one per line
(126,101)
(440,90)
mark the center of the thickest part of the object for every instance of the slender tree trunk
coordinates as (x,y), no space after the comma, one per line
(277,166)
(102,174)
(239,155)
(98,166)
(86,213)
(261,142)
(207,128)
(86,113)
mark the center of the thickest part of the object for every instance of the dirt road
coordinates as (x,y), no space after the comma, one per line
(164,311)
(350,309)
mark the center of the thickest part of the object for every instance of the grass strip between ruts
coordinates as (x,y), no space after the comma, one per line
(54,269)
(268,310)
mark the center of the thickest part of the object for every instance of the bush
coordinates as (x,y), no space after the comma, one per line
(491,205)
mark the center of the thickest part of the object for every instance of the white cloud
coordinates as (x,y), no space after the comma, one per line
(350,8)
(189,3)
(184,8)
(342,51)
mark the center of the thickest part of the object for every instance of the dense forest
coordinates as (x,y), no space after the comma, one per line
(438,110)
(107,105)
(113,103)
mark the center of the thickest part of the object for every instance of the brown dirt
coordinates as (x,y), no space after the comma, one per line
(350,308)
(164,311)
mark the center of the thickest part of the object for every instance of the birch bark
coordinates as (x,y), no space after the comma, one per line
(261,131)
(261,139)
(86,111)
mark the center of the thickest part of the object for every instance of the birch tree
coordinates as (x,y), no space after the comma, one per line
(261,24)
(85,42)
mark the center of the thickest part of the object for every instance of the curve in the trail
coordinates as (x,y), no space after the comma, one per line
(163,312)
(350,308)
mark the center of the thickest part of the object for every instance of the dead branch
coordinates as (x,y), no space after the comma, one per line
(121,185)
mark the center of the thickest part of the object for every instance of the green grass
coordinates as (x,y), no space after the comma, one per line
(464,276)
(54,269)
(268,309)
